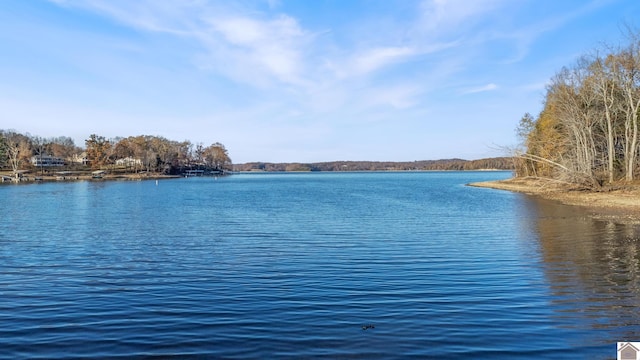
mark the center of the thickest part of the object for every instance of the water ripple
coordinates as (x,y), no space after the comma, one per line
(375,265)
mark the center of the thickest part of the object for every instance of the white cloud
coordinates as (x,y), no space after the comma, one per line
(441,17)
(273,46)
(244,69)
(156,16)
(265,50)
(398,97)
(247,46)
(374,59)
(485,88)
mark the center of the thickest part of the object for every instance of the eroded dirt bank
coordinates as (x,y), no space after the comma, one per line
(618,203)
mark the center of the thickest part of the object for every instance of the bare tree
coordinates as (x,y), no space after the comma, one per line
(524,131)
(63,147)
(98,150)
(199,154)
(217,157)
(17,148)
(39,145)
(628,76)
(576,103)
(605,85)
(3,150)
(590,124)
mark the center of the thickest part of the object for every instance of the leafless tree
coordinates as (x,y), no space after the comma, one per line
(39,146)
(603,82)
(628,75)
(17,148)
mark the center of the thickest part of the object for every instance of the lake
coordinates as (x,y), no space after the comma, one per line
(310,265)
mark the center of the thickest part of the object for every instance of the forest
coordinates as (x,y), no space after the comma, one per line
(133,154)
(587,133)
(500,163)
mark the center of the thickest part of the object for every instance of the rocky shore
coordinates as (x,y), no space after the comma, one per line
(617,203)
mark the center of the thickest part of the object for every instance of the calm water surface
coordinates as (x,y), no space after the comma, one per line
(334,265)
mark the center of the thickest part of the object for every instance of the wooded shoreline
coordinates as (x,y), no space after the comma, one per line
(619,204)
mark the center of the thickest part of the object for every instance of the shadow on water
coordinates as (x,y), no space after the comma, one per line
(593,270)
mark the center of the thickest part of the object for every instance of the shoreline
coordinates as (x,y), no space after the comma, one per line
(34,179)
(620,205)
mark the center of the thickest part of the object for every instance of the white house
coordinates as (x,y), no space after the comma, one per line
(46,161)
(80,158)
(129,162)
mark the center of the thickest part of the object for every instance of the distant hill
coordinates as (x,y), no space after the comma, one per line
(498,163)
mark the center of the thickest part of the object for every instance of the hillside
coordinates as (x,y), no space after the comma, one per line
(499,163)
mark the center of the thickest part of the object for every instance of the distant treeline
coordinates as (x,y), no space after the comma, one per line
(499,163)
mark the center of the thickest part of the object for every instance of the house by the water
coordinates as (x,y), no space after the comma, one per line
(46,161)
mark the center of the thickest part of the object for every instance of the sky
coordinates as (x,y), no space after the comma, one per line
(296,80)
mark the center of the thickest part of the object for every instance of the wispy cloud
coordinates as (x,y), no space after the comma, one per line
(155,16)
(272,47)
(398,97)
(290,65)
(255,49)
(479,89)
(441,18)
(267,50)
(374,59)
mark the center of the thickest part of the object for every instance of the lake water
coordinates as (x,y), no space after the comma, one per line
(333,265)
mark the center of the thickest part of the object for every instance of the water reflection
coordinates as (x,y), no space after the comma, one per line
(593,270)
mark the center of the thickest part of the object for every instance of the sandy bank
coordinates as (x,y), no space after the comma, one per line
(620,204)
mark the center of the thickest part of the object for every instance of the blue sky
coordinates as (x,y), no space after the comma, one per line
(295,80)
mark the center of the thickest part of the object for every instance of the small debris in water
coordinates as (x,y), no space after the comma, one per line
(369,326)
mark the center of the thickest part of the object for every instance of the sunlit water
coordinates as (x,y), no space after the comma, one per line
(334,265)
